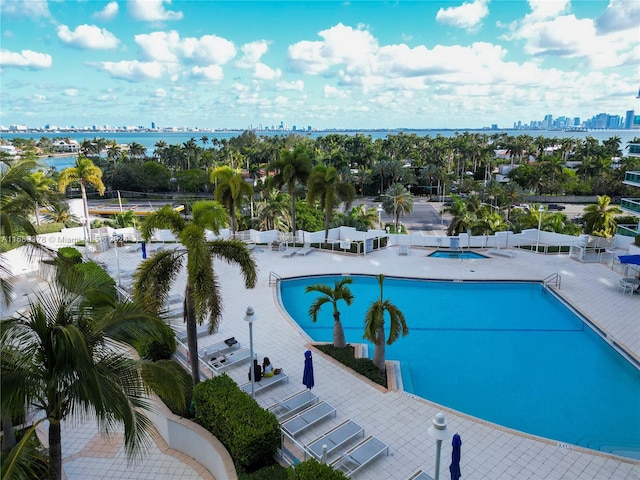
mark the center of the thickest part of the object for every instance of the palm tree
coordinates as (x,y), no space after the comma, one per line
(65,355)
(374,326)
(230,189)
(340,292)
(84,173)
(17,193)
(293,167)
(325,185)
(60,212)
(397,201)
(272,212)
(44,188)
(202,290)
(600,218)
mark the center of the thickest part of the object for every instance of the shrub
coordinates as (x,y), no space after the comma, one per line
(363,366)
(313,470)
(637,240)
(272,472)
(71,254)
(179,372)
(250,433)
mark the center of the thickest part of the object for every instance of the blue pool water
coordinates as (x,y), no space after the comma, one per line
(510,353)
(455,254)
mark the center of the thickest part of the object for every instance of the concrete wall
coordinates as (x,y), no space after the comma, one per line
(193,440)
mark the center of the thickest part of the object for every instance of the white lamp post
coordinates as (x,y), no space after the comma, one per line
(84,234)
(250,317)
(379,210)
(439,432)
(540,212)
(116,238)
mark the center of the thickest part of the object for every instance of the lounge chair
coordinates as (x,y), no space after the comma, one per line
(357,457)
(228,359)
(420,475)
(264,382)
(290,252)
(307,418)
(334,438)
(306,250)
(403,250)
(293,404)
(213,351)
(501,253)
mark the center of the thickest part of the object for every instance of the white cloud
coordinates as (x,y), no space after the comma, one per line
(25,59)
(619,15)
(251,53)
(133,71)
(332,92)
(264,72)
(160,93)
(211,72)
(545,34)
(88,37)
(30,8)
(169,47)
(71,92)
(341,45)
(296,85)
(152,10)
(107,13)
(468,15)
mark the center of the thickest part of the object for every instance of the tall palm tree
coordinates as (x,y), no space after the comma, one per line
(397,201)
(230,189)
(65,355)
(340,292)
(374,325)
(84,173)
(326,186)
(600,217)
(202,290)
(44,188)
(272,212)
(292,168)
(17,193)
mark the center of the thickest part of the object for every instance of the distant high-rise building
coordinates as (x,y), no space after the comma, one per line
(153,125)
(628,119)
(548,121)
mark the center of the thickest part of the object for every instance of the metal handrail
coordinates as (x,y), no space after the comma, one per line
(273,278)
(555,278)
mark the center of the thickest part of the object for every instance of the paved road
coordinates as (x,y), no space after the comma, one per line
(425,218)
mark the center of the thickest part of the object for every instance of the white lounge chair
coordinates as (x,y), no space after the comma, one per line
(264,382)
(501,253)
(306,250)
(226,360)
(293,404)
(215,350)
(420,475)
(403,250)
(290,252)
(307,418)
(334,438)
(357,457)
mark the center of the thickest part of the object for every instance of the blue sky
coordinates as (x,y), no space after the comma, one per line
(325,64)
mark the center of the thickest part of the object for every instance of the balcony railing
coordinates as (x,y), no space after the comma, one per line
(630,205)
(627,230)
(632,178)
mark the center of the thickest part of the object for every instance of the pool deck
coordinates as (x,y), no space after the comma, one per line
(399,419)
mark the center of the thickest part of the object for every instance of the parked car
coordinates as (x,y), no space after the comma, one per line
(555,206)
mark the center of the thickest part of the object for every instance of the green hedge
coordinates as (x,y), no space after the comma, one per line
(250,433)
(272,472)
(313,470)
(364,366)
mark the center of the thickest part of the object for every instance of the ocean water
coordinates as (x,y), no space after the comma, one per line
(505,352)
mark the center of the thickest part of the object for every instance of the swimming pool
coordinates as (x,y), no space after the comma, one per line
(456,254)
(510,353)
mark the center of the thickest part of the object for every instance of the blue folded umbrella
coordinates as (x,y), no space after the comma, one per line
(454,468)
(307,376)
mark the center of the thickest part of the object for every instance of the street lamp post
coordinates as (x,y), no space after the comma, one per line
(250,317)
(379,210)
(439,432)
(540,212)
(84,234)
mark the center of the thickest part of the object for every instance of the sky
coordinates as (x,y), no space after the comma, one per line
(324,64)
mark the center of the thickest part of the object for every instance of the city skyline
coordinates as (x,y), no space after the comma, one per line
(328,65)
